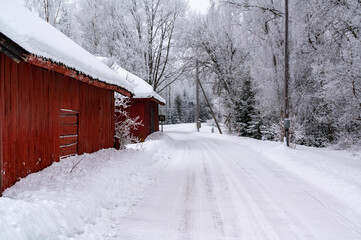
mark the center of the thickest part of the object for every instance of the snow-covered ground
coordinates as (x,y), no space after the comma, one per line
(189,185)
(58,204)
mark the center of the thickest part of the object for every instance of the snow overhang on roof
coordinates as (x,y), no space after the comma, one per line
(41,44)
(142,90)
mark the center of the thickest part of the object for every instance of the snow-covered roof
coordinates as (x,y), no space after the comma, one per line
(43,40)
(142,90)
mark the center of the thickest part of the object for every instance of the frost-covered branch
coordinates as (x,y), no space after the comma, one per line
(124,124)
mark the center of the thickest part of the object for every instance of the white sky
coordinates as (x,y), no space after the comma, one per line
(199,5)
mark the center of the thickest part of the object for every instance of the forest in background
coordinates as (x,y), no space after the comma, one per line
(240,48)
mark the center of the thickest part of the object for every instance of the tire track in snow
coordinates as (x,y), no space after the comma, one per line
(254,223)
(212,201)
(288,217)
(186,223)
(309,195)
(226,219)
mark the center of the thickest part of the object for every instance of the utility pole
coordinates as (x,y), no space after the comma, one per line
(169,105)
(286,110)
(197,96)
(210,107)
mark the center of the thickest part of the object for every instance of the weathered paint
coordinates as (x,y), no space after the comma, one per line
(2,113)
(31,101)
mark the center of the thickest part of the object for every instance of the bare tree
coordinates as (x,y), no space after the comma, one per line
(155,23)
(49,10)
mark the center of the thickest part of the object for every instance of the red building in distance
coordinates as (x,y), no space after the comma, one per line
(144,103)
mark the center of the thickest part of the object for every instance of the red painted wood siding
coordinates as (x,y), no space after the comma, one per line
(2,114)
(143,108)
(31,98)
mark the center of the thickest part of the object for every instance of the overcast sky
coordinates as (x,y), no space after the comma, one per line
(199,5)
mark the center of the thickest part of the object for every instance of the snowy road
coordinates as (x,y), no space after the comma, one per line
(184,185)
(216,188)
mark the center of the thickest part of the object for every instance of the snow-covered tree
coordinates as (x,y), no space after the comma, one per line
(49,10)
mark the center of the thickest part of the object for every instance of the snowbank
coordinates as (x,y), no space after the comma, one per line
(57,204)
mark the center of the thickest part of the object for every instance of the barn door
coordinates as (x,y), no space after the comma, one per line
(152,120)
(69,120)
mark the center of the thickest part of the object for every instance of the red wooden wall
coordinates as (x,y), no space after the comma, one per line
(31,101)
(142,108)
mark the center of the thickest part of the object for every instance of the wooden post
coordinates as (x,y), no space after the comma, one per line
(286,109)
(197,96)
(209,105)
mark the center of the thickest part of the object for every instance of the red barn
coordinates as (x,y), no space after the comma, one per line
(148,111)
(145,104)
(56,99)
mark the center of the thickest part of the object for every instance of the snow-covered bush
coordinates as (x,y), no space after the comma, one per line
(124,124)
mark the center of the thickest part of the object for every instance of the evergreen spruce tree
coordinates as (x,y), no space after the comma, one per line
(247,121)
(178,109)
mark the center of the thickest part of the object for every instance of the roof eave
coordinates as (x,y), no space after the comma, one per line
(60,68)
(150,99)
(12,49)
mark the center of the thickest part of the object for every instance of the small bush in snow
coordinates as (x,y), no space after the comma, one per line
(124,124)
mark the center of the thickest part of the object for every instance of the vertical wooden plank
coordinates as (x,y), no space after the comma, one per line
(41,119)
(14,112)
(109,114)
(81,124)
(6,125)
(112,120)
(30,138)
(20,126)
(93,109)
(102,118)
(26,81)
(51,136)
(46,119)
(36,118)
(36,114)
(2,119)
(54,109)
(80,130)
(156,116)
(76,94)
(146,117)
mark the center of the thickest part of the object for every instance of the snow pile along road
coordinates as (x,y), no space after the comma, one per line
(57,204)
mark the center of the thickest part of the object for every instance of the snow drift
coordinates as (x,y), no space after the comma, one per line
(55,204)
